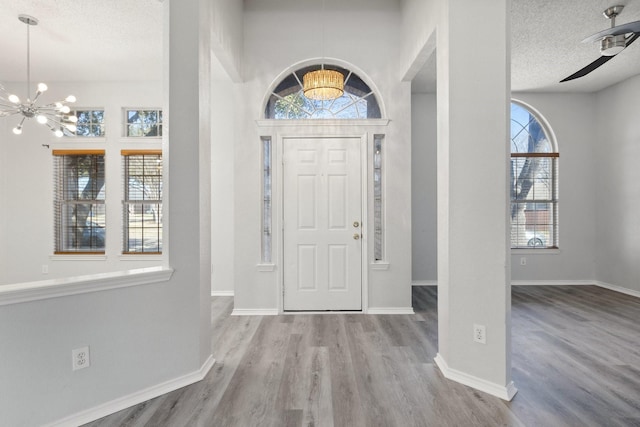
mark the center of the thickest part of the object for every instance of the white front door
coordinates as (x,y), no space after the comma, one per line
(322,224)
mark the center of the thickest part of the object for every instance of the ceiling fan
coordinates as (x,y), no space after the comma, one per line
(612,41)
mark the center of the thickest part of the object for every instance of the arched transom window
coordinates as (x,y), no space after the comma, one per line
(534,181)
(287,101)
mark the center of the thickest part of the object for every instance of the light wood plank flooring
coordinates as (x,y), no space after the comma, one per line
(576,362)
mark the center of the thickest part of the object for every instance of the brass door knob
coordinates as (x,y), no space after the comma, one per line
(356,236)
(356,224)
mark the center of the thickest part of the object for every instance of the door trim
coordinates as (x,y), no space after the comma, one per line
(278,217)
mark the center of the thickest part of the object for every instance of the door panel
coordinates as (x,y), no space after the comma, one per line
(322,200)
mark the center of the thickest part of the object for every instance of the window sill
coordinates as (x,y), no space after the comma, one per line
(379,265)
(140,257)
(45,289)
(78,257)
(266,267)
(549,251)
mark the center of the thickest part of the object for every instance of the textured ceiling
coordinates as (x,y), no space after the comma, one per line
(546,46)
(82,40)
(113,40)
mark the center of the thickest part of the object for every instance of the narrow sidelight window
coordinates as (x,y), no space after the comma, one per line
(378,219)
(266,199)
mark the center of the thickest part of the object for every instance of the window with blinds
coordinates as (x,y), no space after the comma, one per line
(79,197)
(142,204)
(534,181)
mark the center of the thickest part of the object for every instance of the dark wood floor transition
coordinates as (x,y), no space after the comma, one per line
(576,362)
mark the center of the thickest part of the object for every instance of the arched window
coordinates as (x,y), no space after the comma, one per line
(288,102)
(534,181)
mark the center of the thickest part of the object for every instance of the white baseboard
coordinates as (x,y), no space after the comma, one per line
(503,392)
(222,293)
(390,310)
(616,288)
(424,283)
(552,282)
(254,312)
(134,398)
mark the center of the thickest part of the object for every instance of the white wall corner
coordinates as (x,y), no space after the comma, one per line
(504,392)
(135,398)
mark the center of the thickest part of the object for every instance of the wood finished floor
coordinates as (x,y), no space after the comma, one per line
(576,362)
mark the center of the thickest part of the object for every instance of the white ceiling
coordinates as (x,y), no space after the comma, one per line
(113,40)
(82,40)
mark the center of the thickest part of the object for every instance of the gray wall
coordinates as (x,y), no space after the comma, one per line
(617,149)
(140,336)
(573,120)
(423,184)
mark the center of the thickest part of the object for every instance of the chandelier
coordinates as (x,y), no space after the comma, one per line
(56,116)
(323,84)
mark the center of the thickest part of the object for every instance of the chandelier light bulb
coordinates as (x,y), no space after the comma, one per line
(49,114)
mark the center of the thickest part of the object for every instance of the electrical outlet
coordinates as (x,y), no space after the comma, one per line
(45,269)
(80,358)
(523,261)
(480,334)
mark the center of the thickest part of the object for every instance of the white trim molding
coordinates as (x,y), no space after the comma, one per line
(135,398)
(424,283)
(552,282)
(222,293)
(616,288)
(254,312)
(320,122)
(44,289)
(379,265)
(505,392)
(390,310)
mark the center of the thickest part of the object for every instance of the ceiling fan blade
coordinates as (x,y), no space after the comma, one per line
(631,27)
(589,68)
(598,62)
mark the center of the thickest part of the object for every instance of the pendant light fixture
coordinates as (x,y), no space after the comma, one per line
(56,116)
(323,84)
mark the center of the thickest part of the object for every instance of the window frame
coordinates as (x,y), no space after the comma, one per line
(288,92)
(103,126)
(126,154)
(552,215)
(127,125)
(60,201)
